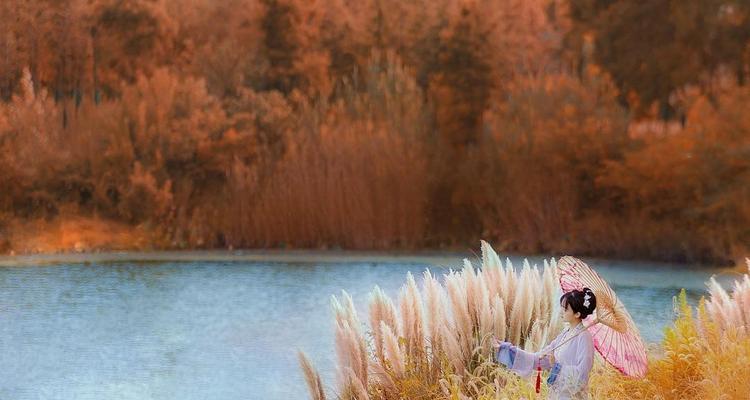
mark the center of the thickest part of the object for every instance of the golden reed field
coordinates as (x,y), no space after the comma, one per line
(434,341)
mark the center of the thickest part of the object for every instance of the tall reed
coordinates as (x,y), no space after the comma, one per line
(355,173)
(699,360)
(731,311)
(437,341)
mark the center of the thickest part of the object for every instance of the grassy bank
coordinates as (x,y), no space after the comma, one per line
(93,238)
(76,234)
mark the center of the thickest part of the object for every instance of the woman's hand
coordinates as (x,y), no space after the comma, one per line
(551,358)
(498,344)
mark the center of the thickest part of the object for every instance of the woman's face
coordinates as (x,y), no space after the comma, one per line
(569,316)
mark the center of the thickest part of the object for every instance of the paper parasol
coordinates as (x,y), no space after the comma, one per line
(615,335)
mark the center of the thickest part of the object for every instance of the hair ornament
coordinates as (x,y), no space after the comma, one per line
(586,302)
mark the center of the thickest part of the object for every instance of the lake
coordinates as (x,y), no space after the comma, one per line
(224,329)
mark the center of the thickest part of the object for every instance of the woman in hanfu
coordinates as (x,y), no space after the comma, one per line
(568,358)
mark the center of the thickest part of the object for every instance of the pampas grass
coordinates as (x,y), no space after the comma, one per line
(410,304)
(699,360)
(434,295)
(350,349)
(312,377)
(394,359)
(731,311)
(382,314)
(440,350)
(439,339)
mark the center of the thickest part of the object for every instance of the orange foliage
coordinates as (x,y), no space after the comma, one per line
(75,233)
(281,122)
(535,174)
(355,175)
(695,182)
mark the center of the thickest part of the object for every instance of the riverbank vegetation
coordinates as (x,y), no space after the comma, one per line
(434,341)
(602,128)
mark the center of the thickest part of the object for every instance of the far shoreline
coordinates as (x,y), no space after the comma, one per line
(441,258)
(87,239)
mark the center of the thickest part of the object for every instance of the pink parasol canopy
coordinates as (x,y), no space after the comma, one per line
(615,335)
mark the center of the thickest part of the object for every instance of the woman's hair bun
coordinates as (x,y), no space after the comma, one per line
(580,301)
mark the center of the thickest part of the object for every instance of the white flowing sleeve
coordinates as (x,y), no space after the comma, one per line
(574,376)
(525,362)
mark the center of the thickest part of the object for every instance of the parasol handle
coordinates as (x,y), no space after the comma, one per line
(569,339)
(596,321)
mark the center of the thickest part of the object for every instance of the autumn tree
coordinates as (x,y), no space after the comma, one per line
(534,176)
(460,84)
(72,62)
(226,55)
(27,48)
(379,123)
(291,29)
(675,44)
(34,152)
(528,37)
(129,37)
(11,58)
(692,186)
(343,33)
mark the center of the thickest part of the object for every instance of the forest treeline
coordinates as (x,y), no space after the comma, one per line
(596,127)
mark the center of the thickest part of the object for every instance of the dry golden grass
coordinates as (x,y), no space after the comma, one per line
(354,175)
(700,360)
(77,233)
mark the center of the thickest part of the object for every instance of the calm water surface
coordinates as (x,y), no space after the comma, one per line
(210,330)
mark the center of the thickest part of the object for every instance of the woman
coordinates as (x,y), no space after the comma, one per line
(569,357)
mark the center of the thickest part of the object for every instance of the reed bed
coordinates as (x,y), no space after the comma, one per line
(700,359)
(730,310)
(434,341)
